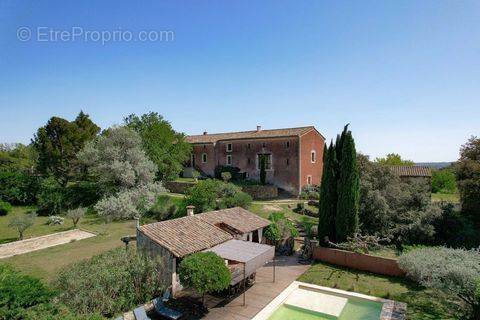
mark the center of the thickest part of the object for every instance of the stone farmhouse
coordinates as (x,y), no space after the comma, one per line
(413,173)
(294,155)
(235,234)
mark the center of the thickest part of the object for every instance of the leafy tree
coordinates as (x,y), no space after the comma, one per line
(112,282)
(5,208)
(455,271)
(328,196)
(443,181)
(394,159)
(280,228)
(76,215)
(19,292)
(204,272)
(57,144)
(346,219)
(167,148)
(468,179)
(22,223)
(19,187)
(163,209)
(17,157)
(116,161)
(263,170)
(51,197)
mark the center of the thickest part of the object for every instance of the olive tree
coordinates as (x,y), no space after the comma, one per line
(22,223)
(76,215)
(455,271)
(205,272)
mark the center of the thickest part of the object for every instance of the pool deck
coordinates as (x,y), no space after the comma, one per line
(260,294)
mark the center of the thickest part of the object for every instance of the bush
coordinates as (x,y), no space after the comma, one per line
(18,187)
(281,227)
(163,209)
(234,172)
(310,192)
(5,208)
(55,311)
(18,292)
(443,181)
(205,272)
(226,176)
(54,221)
(51,199)
(455,271)
(110,283)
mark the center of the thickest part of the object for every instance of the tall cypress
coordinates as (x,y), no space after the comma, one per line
(328,201)
(346,220)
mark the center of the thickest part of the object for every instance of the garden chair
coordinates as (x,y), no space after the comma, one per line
(140,314)
(164,311)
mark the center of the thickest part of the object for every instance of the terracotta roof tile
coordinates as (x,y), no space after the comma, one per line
(273,133)
(186,235)
(411,171)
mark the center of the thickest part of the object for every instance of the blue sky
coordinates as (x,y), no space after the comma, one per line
(405,74)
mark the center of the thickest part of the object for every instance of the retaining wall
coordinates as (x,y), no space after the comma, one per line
(359,261)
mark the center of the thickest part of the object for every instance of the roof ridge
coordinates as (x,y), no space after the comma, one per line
(251,131)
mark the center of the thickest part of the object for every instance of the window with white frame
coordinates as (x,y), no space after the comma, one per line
(229,147)
(229,160)
(268,162)
(204,158)
(313,156)
(309,180)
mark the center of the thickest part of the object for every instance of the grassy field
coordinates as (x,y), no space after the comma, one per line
(454,198)
(47,262)
(422,304)
(263,209)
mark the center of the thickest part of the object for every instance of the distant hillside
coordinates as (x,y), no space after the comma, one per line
(434,165)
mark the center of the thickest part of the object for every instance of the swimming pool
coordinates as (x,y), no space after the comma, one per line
(302,301)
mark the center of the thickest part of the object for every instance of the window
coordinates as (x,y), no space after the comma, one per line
(264,144)
(192,161)
(268,157)
(287,162)
(248,161)
(287,144)
(229,159)
(229,147)
(248,146)
(309,180)
(313,156)
(204,158)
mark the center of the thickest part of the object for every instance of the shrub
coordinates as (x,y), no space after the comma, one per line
(443,181)
(51,199)
(455,271)
(76,215)
(18,187)
(5,208)
(234,172)
(55,311)
(226,176)
(110,283)
(280,228)
(54,221)
(310,192)
(18,292)
(163,209)
(22,223)
(205,272)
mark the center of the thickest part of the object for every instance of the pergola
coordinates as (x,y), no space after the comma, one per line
(250,255)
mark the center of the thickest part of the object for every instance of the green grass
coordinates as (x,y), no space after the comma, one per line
(191,180)
(47,262)
(423,304)
(454,197)
(263,209)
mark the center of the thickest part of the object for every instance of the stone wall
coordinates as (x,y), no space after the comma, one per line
(359,261)
(261,192)
(178,186)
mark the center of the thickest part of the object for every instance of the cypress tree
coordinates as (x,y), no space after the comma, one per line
(328,196)
(346,220)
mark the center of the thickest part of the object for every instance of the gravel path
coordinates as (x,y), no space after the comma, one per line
(33,244)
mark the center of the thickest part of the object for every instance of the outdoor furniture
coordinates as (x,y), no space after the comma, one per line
(164,311)
(140,314)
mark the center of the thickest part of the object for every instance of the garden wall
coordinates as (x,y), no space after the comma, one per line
(261,192)
(359,261)
(178,186)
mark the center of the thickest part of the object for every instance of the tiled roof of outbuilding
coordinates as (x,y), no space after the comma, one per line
(186,235)
(254,134)
(411,171)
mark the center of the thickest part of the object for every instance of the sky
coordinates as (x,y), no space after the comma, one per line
(404,74)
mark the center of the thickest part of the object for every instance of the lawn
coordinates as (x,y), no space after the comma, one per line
(45,263)
(263,209)
(454,197)
(422,304)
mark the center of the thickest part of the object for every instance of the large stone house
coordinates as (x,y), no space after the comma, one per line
(294,155)
(235,234)
(413,173)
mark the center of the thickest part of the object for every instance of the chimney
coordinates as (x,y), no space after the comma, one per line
(205,133)
(259,128)
(190,210)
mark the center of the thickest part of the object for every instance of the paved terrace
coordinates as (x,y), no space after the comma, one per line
(260,294)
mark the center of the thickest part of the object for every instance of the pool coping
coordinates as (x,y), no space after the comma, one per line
(391,310)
